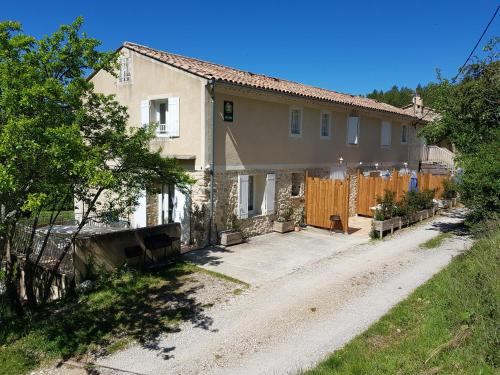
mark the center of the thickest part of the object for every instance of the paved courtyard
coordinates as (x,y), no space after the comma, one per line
(274,255)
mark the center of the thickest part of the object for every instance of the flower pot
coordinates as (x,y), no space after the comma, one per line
(297,228)
(283,227)
(454,202)
(228,238)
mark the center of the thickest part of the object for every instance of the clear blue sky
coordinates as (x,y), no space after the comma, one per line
(348,46)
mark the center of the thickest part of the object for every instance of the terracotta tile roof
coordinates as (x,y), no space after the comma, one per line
(234,76)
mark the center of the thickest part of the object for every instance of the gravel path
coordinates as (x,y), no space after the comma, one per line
(293,322)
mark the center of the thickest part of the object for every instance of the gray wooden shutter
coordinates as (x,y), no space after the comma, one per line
(242,197)
(270,195)
(145,113)
(353,130)
(173,117)
(385,136)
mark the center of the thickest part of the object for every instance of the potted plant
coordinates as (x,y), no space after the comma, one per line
(232,235)
(284,223)
(449,195)
(385,217)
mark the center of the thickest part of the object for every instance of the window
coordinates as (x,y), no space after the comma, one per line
(251,195)
(161,116)
(256,195)
(385,134)
(295,122)
(353,130)
(124,76)
(325,125)
(164,112)
(404,134)
(296,183)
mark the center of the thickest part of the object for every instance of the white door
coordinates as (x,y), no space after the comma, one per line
(181,214)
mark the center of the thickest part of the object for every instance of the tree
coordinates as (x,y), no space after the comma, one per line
(60,140)
(470,118)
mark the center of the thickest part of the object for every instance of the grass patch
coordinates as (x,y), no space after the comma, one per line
(450,325)
(436,241)
(194,268)
(125,306)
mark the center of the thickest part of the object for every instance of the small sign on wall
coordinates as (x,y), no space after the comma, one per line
(228,111)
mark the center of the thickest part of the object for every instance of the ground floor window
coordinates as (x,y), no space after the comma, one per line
(296,183)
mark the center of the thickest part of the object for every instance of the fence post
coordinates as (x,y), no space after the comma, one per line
(346,210)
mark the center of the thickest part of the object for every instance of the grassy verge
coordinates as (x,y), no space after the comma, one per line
(127,306)
(436,241)
(450,325)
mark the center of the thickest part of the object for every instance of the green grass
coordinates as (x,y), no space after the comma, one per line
(125,307)
(450,325)
(436,241)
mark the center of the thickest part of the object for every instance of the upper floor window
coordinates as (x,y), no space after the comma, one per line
(353,130)
(404,134)
(385,134)
(295,122)
(124,76)
(325,125)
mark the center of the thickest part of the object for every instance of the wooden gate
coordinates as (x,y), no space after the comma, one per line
(369,188)
(325,197)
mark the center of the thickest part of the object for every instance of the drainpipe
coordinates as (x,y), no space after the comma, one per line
(211,89)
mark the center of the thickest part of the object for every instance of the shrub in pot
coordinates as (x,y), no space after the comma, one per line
(284,221)
(232,235)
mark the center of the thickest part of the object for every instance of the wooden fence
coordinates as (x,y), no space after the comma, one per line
(325,197)
(369,188)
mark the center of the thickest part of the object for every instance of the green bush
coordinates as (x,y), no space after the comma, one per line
(449,189)
(387,207)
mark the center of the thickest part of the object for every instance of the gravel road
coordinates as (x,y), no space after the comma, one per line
(293,322)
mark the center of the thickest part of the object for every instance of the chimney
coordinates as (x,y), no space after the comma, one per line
(418,104)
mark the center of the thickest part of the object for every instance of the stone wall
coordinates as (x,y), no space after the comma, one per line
(353,193)
(226,195)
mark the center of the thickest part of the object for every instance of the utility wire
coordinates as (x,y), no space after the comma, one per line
(479,41)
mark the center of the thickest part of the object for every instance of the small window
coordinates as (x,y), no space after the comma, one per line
(124,76)
(161,116)
(404,134)
(295,122)
(385,134)
(296,183)
(325,125)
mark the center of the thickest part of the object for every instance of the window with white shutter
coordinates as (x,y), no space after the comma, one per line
(295,122)
(325,125)
(165,112)
(353,130)
(385,134)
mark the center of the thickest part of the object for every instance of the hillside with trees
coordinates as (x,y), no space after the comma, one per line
(401,96)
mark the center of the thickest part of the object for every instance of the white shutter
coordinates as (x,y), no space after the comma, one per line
(173,117)
(385,136)
(145,113)
(140,217)
(242,209)
(163,206)
(353,130)
(270,193)
(181,213)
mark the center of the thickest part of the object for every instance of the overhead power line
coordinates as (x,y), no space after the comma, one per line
(479,41)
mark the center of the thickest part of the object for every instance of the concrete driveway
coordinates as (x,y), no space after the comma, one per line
(271,256)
